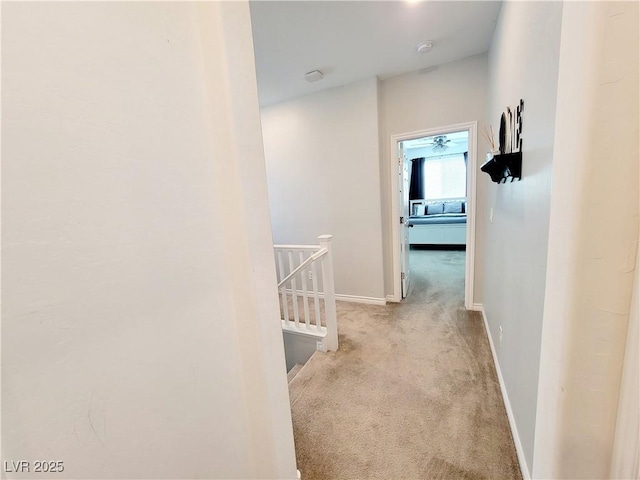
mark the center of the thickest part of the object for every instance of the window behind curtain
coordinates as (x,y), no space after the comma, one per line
(445,177)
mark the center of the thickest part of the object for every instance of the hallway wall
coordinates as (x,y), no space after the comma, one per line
(328,165)
(438,96)
(593,243)
(140,332)
(523,63)
(625,458)
(322,161)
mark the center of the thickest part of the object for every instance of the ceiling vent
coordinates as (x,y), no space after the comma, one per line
(424,47)
(313,76)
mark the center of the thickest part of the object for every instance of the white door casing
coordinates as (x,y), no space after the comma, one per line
(397,253)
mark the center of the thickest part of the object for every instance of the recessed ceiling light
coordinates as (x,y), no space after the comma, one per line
(424,47)
(313,76)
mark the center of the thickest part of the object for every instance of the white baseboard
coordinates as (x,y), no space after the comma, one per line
(476,307)
(505,397)
(391,298)
(359,299)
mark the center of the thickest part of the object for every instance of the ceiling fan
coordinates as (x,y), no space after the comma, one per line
(439,143)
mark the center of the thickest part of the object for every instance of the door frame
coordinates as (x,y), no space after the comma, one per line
(404,164)
(472,128)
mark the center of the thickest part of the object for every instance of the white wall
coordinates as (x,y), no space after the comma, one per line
(322,162)
(593,240)
(523,63)
(444,95)
(625,458)
(131,347)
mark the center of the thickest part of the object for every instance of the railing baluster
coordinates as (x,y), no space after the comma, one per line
(294,293)
(305,297)
(328,287)
(283,290)
(316,300)
(323,287)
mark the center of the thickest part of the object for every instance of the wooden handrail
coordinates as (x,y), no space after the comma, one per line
(303,265)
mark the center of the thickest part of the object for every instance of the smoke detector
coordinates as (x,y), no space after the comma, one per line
(313,76)
(424,47)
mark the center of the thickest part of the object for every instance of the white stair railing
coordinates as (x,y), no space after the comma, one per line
(297,267)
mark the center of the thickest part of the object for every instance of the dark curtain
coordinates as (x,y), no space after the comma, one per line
(466,155)
(416,187)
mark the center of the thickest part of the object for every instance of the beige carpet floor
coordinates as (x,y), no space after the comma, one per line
(411,393)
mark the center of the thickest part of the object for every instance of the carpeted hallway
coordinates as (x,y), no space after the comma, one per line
(411,393)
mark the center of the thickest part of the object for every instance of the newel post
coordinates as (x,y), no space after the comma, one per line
(331,340)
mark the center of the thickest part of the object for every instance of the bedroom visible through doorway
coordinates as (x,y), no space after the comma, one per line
(437,202)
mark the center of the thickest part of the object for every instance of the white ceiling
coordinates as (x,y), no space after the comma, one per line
(350,41)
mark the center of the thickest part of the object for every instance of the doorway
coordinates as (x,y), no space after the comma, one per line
(418,219)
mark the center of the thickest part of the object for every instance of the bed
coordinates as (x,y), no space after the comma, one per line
(441,222)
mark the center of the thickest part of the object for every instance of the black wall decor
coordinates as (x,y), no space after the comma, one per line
(508,163)
(504,166)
